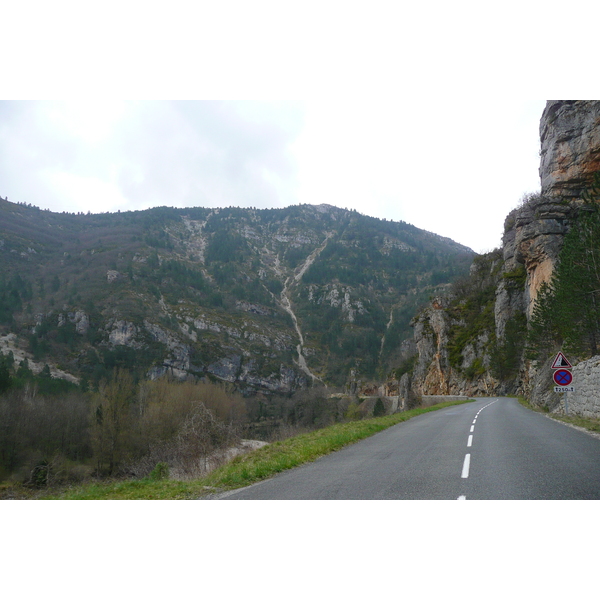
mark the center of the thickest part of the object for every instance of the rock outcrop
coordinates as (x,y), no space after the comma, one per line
(533,237)
(570,147)
(446,365)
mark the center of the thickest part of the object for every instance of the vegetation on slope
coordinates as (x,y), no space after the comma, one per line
(52,432)
(474,349)
(472,317)
(211,280)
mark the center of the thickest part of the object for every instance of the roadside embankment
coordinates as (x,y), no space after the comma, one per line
(585,400)
(432,400)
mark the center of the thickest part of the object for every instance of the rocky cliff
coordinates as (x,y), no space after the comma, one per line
(570,147)
(471,341)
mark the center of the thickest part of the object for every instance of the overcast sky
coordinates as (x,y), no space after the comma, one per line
(446,165)
(421,112)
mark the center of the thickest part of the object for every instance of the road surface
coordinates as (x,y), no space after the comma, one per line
(490,449)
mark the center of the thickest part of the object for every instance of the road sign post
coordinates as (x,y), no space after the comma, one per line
(562,377)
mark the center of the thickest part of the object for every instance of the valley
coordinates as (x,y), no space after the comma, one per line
(167,334)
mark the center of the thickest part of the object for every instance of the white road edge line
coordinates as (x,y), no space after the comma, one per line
(465,470)
(462,498)
(470,441)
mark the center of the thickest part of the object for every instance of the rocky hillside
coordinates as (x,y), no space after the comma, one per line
(268,300)
(473,340)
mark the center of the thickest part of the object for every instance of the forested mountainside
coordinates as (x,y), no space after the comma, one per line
(268,300)
(497,330)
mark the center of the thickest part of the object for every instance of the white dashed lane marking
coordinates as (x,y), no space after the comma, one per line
(466,464)
(467,461)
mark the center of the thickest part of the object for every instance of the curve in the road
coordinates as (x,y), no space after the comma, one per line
(511,453)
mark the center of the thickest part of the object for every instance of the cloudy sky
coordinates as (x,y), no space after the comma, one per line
(421,112)
(446,165)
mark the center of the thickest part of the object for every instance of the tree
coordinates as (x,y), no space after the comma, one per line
(5,378)
(113,420)
(379,408)
(567,308)
(6,364)
(24,372)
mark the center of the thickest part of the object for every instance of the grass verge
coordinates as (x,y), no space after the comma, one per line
(248,468)
(585,423)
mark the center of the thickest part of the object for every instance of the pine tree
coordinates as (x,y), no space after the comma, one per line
(578,284)
(567,309)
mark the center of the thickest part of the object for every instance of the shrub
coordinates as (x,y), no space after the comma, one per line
(379,408)
(160,471)
(353,412)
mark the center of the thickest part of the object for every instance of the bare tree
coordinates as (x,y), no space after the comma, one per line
(113,420)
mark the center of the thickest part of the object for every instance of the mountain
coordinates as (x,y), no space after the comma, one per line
(480,338)
(269,300)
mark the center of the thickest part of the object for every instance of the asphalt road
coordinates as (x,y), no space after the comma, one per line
(490,449)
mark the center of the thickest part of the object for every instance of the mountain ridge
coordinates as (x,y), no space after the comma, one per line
(266,299)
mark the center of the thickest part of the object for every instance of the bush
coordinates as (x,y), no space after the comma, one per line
(35,428)
(190,452)
(379,408)
(353,412)
(160,471)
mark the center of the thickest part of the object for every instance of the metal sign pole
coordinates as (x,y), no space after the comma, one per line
(563,377)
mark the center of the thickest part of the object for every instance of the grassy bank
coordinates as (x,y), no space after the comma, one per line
(249,468)
(585,423)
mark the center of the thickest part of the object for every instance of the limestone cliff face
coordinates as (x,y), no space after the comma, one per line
(533,238)
(534,233)
(453,347)
(570,155)
(434,373)
(570,147)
